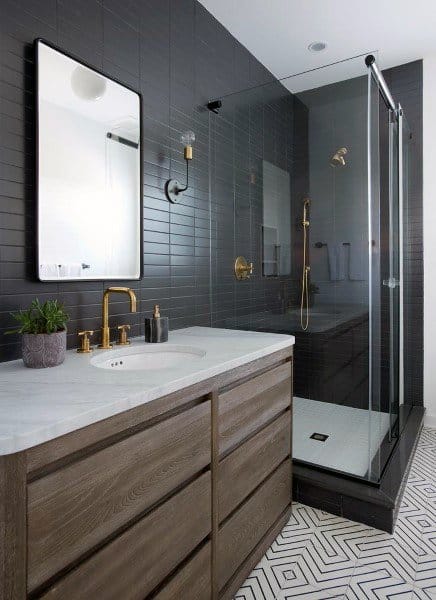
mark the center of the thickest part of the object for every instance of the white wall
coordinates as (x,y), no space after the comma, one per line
(429,152)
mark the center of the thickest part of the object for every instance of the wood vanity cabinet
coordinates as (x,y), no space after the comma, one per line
(175,499)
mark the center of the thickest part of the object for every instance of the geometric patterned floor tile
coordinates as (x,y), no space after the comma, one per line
(426,575)
(378,585)
(319,556)
(398,553)
(342,537)
(313,571)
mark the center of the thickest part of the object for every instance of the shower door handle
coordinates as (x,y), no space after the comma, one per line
(391,282)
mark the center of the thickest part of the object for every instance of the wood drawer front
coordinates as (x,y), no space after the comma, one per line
(247,526)
(244,469)
(245,408)
(75,508)
(131,566)
(192,582)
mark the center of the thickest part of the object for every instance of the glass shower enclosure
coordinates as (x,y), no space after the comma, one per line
(313,191)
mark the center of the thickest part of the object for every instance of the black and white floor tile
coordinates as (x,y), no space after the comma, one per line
(319,556)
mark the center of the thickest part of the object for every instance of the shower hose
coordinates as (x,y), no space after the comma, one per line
(304,305)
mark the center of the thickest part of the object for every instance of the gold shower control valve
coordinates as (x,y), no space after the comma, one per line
(243,268)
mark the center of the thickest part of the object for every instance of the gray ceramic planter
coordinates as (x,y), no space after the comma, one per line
(42,350)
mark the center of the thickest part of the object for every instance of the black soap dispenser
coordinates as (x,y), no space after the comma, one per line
(156,328)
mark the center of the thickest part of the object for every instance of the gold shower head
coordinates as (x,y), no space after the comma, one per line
(338,160)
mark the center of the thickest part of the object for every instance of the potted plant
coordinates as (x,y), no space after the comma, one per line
(44,333)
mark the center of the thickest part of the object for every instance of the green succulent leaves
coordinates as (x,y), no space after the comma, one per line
(49,317)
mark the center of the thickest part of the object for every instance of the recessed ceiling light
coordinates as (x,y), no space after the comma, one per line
(317,46)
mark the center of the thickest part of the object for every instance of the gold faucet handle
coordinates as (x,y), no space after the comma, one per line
(122,335)
(85,345)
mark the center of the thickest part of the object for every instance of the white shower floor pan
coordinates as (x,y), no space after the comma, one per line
(354,435)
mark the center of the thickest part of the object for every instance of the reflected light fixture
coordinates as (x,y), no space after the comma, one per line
(173,189)
(86,84)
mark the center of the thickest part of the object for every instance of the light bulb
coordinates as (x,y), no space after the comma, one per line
(86,84)
(187,138)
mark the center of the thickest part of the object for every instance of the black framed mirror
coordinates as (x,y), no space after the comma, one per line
(88,172)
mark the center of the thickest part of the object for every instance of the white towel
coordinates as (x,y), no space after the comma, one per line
(358,260)
(49,271)
(71,270)
(336,261)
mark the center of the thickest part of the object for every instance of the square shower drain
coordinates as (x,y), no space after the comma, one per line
(319,437)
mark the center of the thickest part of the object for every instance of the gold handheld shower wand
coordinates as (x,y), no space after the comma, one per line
(304,305)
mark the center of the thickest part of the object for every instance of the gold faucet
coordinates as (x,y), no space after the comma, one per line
(105,331)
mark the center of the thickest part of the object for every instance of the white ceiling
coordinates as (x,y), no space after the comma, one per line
(277,32)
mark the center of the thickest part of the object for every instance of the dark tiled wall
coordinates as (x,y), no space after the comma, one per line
(179,57)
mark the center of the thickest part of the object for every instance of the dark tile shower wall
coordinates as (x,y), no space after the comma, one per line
(179,57)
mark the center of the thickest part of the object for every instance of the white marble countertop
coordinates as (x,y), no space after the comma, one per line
(38,405)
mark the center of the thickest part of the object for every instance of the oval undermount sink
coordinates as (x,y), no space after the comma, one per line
(149,358)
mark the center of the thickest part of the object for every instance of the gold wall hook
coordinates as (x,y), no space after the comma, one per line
(85,346)
(243,268)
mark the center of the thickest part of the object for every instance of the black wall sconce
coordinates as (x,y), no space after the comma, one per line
(173,189)
(214,106)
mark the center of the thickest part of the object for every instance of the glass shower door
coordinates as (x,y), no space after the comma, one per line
(404,140)
(303,174)
(386,260)
(393,283)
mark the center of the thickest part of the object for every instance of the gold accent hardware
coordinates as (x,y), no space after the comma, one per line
(173,189)
(122,335)
(338,160)
(188,152)
(85,346)
(156,313)
(105,332)
(306,203)
(243,269)
(304,305)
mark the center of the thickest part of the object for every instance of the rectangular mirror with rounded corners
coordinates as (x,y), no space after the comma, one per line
(88,172)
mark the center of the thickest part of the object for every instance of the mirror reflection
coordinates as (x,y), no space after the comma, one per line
(89,181)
